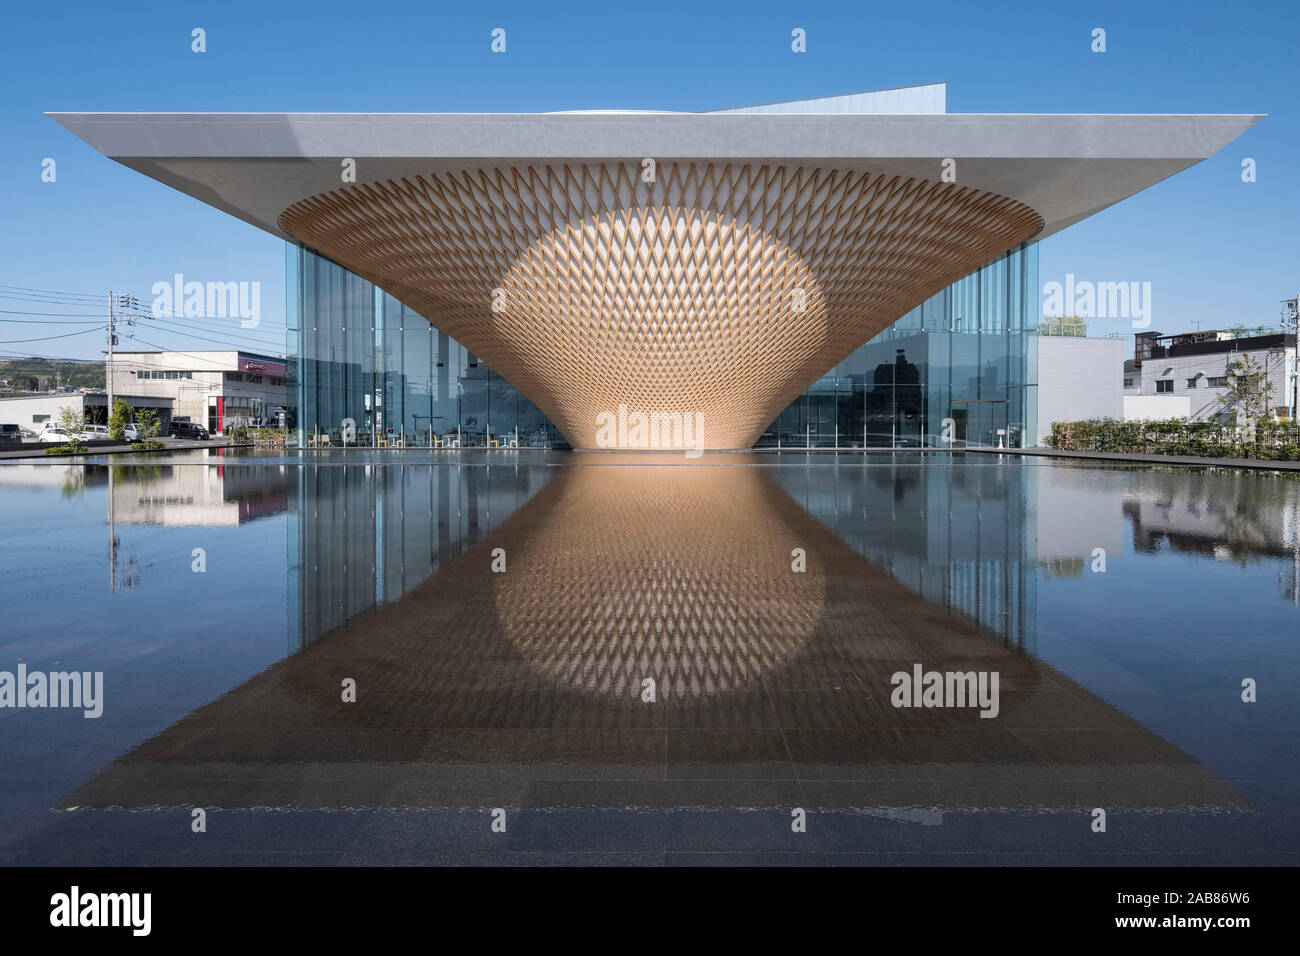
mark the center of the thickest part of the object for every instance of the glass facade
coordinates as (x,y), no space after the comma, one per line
(959,369)
(370,371)
(966,355)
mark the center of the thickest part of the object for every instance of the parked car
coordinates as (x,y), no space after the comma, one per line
(134,432)
(54,434)
(186,429)
(95,433)
(11,434)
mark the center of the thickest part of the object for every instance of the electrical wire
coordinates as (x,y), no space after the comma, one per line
(86,295)
(48,338)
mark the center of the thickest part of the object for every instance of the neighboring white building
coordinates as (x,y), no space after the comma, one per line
(33,412)
(218,389)
(1078,378)
(1157,407)
(1182,376)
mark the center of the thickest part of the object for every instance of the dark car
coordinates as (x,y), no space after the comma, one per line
(10,434)
(186,429)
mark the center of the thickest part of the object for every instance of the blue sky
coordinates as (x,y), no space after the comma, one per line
(1216,250)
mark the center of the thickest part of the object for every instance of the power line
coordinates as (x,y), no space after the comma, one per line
(65,303)
(192,355)
(201,338)
(14,354)
(170,322)
(173,314)
(250,336)
(81,321)
(42,296)
(84,295)
(49,338)
(72,315)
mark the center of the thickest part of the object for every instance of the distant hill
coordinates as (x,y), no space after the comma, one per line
(41,374)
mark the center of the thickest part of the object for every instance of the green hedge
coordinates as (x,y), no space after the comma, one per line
(258,436)
(1273,441)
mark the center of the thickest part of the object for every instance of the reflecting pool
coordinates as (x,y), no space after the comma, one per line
(356,657)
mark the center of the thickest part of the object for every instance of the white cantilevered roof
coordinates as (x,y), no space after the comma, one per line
(1066,167)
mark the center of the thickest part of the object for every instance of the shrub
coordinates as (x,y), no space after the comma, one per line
(1271,441)
(118,420)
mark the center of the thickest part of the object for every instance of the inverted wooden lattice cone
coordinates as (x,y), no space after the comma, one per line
(717,293)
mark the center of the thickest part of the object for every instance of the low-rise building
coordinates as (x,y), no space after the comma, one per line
(33,411)
(1078,379)
(219,389)
(1182,376)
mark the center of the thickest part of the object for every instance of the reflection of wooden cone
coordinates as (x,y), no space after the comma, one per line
(677,573)
(723,289)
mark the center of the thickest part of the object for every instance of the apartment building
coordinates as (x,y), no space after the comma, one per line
(1182,376)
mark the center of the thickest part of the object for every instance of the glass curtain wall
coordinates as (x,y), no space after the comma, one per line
(372,372)
(959,369)
(960,366)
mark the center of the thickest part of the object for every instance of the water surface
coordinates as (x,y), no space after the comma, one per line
(502,615)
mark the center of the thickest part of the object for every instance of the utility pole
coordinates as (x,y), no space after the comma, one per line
(129,303)
(1291,320)
(108,365)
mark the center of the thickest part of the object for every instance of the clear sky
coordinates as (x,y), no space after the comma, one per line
(1217,251)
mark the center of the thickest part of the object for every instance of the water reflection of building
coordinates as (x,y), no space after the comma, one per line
(951,535)
(206,495)
(1223,514)
(1073,514)
(1193,512)
(161,494)
(47,475)
(954,535)
(525,687)
(364,536)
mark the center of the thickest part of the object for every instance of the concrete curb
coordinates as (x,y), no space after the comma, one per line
(111,449)
(1256,464)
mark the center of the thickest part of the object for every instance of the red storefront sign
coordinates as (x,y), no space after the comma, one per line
(262,367)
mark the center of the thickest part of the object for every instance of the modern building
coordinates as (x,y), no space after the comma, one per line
(849,270)
(220,389)
(1079,377)
(1183,376)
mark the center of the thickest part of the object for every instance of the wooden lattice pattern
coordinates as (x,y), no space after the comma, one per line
(686,578)
(719,289)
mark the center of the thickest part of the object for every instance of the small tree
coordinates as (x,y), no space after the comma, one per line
(1247,390)
(73,421)
(118,420)
(147,422)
